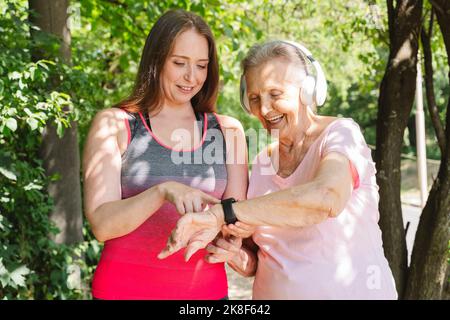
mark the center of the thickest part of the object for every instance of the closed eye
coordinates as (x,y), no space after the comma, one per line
(276,94)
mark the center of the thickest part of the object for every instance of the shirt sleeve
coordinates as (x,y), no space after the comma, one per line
(345,137)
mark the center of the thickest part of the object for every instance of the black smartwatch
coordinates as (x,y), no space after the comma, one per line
(228,212)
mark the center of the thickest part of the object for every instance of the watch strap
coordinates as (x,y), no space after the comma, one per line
(229,215)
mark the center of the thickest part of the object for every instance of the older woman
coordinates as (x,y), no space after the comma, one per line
(312,194)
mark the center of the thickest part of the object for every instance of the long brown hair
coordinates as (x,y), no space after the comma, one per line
(147,93)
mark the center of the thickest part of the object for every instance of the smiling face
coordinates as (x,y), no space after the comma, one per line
(185,69)
(273,91)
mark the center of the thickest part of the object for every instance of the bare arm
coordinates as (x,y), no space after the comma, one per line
(303,205)
(109,216)
(326,196)
(236,158)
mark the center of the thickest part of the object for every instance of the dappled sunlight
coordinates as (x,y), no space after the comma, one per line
(348,223)
(345,272)
(142,145)
(141,167)
(206,182)
(403,54)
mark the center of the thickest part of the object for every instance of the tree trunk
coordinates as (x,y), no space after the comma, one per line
(427,274)
(394,106)
(60,155)
(428,271)
(446,293)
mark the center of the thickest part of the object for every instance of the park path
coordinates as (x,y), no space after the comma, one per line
(239,287)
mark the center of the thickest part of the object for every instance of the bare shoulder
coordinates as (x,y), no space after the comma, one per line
(234,136)
(327,120)
(110,123)
(229,122)
(110,116)
(111,120)
(323,123)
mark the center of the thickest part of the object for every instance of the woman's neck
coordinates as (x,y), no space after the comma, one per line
(175,111)
(301,134)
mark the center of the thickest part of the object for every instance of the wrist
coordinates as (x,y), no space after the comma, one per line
(228,211)
(162,190)
(217,211)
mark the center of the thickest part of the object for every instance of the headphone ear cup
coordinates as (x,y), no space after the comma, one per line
(320,93)
(307,91)
(243,95)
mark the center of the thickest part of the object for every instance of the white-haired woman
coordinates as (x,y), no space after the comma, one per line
(312,196)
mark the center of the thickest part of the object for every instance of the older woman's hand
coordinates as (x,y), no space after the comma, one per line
(239,229)
(224,250)
(194,231)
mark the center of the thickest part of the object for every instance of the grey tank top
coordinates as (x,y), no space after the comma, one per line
(148,162)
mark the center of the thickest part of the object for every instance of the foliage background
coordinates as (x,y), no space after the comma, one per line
(348,38)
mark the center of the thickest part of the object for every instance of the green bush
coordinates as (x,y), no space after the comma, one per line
(32,266)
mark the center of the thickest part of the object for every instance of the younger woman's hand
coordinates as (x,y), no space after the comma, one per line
(186,199)
(239,230)
(224,250)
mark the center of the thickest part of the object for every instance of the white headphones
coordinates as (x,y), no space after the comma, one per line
(313,89)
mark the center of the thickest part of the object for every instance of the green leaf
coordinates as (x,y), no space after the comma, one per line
(21,84)
(32,70)
(32,186)
(41,105)
(59,129)
(213,2)
(33,123)
(11,112)
(45,62)
(5,200)
(4,274)
(14,75)
(64,95)
(18,275)
(11,123)
(8,174)
(55,177)
(28,112)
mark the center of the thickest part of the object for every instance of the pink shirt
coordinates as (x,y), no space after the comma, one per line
(339,258)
